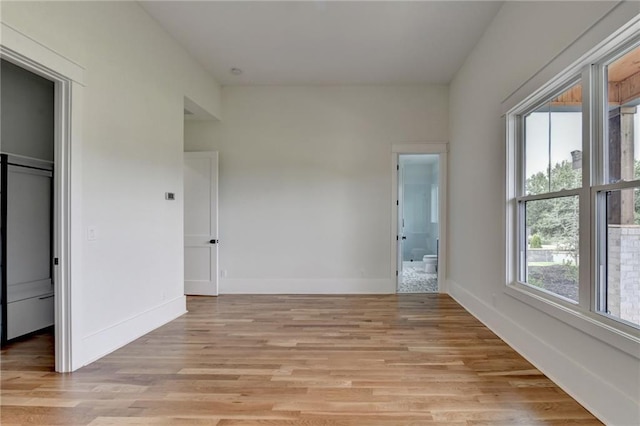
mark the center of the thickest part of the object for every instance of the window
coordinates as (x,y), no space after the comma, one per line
(619,294)
(552,177)
(618,198)
(552,142)
(574,188)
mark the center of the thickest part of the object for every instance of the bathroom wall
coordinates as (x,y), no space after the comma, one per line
(419,229)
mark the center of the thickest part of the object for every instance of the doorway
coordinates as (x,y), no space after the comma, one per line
(419,217)
(68,82)
(26,200)
(200,203)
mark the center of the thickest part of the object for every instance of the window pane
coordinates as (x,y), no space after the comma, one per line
(552,245)
(621,297)
(623,146)
(553,144)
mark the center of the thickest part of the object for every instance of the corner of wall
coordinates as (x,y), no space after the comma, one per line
(102,342)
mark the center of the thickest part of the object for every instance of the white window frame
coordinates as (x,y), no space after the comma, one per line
(584,314)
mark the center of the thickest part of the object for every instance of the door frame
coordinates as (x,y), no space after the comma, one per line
(68,78)
(438,148)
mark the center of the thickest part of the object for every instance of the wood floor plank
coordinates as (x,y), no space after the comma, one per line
(293,360)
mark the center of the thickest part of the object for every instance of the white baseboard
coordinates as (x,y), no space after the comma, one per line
(602,399)
(107,340)
(200,288)
(307,286)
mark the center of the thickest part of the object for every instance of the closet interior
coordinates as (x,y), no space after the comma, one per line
(26,201)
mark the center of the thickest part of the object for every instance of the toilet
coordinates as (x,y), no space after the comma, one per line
(430,263)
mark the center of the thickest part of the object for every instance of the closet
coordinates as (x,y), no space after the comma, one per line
(26,201)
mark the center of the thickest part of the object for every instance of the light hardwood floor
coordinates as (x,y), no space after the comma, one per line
(294,360)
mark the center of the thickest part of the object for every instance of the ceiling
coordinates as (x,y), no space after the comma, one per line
(327,42)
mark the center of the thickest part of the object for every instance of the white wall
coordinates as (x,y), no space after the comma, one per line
(130,279)
(305,182)
(522,39)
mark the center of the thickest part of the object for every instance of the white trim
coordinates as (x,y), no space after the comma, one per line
(616,186)
(69,79)
(595,393)
(443,286)
(200,288)
(35,55)
(590,323)
(395,197)
(441,149)
(107,340)
(307,286)
(551,195)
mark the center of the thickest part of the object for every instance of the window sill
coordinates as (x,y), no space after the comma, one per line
(623,337)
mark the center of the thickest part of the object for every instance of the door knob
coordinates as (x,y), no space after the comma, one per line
(213,241)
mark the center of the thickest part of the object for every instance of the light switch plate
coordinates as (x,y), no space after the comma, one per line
(171,196)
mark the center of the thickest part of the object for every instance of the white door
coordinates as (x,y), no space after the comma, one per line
(201,223)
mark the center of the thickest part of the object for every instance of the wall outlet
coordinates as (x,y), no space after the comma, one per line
(223,273)
(91,233)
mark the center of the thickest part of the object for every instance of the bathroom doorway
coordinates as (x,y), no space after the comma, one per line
(418,222)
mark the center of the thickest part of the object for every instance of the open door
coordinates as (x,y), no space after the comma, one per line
(418,223)
(201,223)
